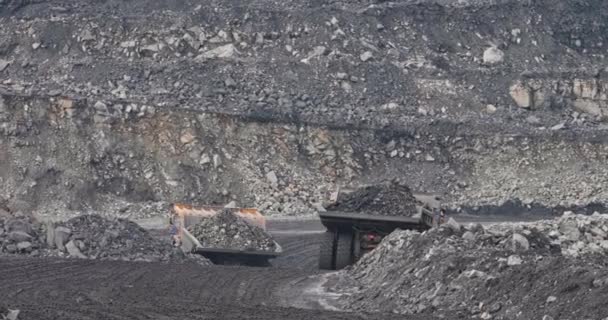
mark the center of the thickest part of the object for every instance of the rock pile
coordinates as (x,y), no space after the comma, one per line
(87,237)
(91,236)
(227,230)
(388,199)
(20,235)
(544,270)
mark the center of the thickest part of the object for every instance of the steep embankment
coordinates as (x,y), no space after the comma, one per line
(276,104)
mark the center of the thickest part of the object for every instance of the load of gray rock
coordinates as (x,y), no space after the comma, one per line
(388,199)
(228,231)
(20,235)
(94,237)
(554,269)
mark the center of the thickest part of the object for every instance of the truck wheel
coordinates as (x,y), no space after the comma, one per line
(326,251)
(344,250)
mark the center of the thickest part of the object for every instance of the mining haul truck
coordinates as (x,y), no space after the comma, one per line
(350,235)
(186,215)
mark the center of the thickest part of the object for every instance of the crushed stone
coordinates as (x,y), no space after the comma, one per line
(227,230)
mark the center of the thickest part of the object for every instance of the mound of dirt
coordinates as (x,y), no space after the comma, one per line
(543,270)
(227,230)
(91,236)
(388,199)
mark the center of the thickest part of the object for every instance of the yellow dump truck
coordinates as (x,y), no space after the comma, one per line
(185,215)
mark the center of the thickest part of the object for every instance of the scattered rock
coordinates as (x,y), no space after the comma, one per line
(514,260)
(493,55)
(24,246)
(469,236)
(4,64)
(453,225)
(520,242)
(222,52)
(74,251)
(272,179)
(491,109)
(366,56)
(521,95)
(62,234)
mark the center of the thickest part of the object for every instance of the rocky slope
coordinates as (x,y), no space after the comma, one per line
(275,105)
(553,269)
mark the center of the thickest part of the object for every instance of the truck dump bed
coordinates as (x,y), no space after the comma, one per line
(347,220)
(189,216)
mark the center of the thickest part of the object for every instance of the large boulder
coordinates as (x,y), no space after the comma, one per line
(73,250)
(520,242)
(62,235)
(19,236)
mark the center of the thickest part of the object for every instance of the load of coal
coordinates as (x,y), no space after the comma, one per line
(226,230)
(386,199)
(94,237)
(553,269)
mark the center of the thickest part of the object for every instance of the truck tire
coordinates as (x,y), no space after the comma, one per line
(344,249)
(326,251)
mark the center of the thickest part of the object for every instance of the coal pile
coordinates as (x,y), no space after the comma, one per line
(20,236)
(553,269)
(388,199)
(228,231)
(94,237)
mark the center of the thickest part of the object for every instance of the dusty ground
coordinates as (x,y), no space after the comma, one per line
(78,289)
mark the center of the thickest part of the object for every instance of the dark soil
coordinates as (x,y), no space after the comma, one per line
(388,199)
(101,290)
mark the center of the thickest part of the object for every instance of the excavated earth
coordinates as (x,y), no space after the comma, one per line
(552,269)
(123,106)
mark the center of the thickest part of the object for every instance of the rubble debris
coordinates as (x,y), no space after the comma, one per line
(388,199)
(20,235)
(87,237)
(499,270)
(229,231)
(93,237)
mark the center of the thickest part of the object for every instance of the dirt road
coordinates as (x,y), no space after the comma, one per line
(80,289)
